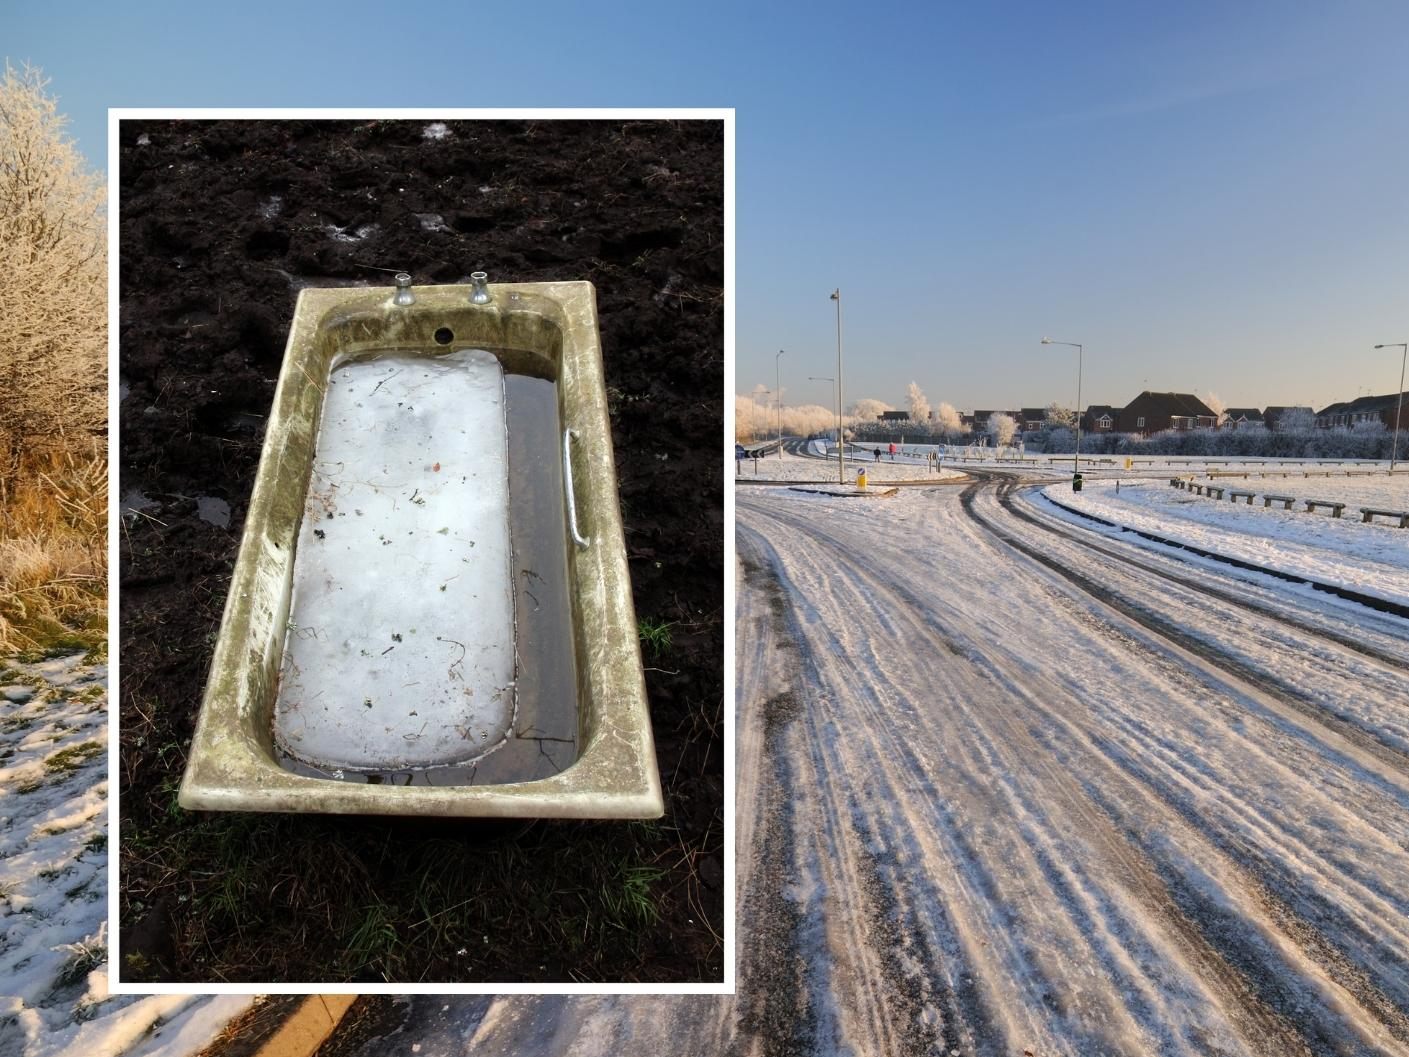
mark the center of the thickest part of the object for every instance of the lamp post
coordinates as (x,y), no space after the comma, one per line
(814,378)
(778,398)
(841,440)
(1080,352)
(1399,403)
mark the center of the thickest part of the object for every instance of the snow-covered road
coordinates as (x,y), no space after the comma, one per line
(1020,794)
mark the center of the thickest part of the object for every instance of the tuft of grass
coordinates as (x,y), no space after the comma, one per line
(373,939)
(655,635)
(85,957)
(53,555)
(74,757)
(629,904)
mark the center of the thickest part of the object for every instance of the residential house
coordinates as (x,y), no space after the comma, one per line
(1357,412)
(1099,418)
(1152,413)
(1031,419)
(1239,417)
(895,416)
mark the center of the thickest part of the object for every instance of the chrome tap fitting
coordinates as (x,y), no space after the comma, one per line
(479,289)
(404,296)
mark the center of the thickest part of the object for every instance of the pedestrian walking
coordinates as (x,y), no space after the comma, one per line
(878,454)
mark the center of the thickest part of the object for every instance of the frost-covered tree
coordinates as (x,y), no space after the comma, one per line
(745,417)
(1058,417)
(919,406)
(1216,405)
(53,275)
(1002,427)
(947,419)
(1296,420)
(868,409)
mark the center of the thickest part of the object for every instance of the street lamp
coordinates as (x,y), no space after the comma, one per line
(815,378)
(1399,404)
(841,441)
(778,399)
(1080,352)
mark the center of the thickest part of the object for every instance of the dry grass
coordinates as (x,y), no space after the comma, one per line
(53,553)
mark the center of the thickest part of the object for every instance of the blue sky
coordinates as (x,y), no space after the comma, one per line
(1210,196)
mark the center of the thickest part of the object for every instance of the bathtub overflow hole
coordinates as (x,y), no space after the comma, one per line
(444,336)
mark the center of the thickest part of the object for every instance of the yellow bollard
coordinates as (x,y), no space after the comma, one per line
(861,480)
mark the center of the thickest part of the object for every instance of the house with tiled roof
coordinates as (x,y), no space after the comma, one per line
(1031,419)
(1362,410)
(1238,417)
(1099,418)
(1151,413)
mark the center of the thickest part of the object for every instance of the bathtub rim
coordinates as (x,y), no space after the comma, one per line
(615,774)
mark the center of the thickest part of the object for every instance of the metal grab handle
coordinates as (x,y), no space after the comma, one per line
(577,537)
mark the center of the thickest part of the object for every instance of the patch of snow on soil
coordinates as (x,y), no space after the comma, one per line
(340,234)
(213,510)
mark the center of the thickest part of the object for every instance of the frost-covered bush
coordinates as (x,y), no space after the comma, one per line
(1368,441)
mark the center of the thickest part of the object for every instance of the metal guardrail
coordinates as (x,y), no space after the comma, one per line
(766,448)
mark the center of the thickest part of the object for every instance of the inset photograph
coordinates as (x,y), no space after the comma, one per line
(421,562)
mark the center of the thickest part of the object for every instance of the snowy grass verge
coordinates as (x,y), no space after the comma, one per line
(1372,559)
(792,468)
(53,881)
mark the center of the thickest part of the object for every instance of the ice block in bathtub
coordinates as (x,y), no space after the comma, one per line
(400,649)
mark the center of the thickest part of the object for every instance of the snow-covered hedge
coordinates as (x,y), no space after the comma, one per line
(1367,442)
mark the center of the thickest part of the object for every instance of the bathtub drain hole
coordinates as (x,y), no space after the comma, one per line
(444,336)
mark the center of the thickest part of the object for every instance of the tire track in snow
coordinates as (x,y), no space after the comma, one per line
(873,1015)
(907,601)
(1045,994)
(774,1016)
(1263,1029)
(1267,877)
(851,977)
(1395,759)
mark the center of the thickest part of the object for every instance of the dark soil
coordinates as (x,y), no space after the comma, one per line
(221,223)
